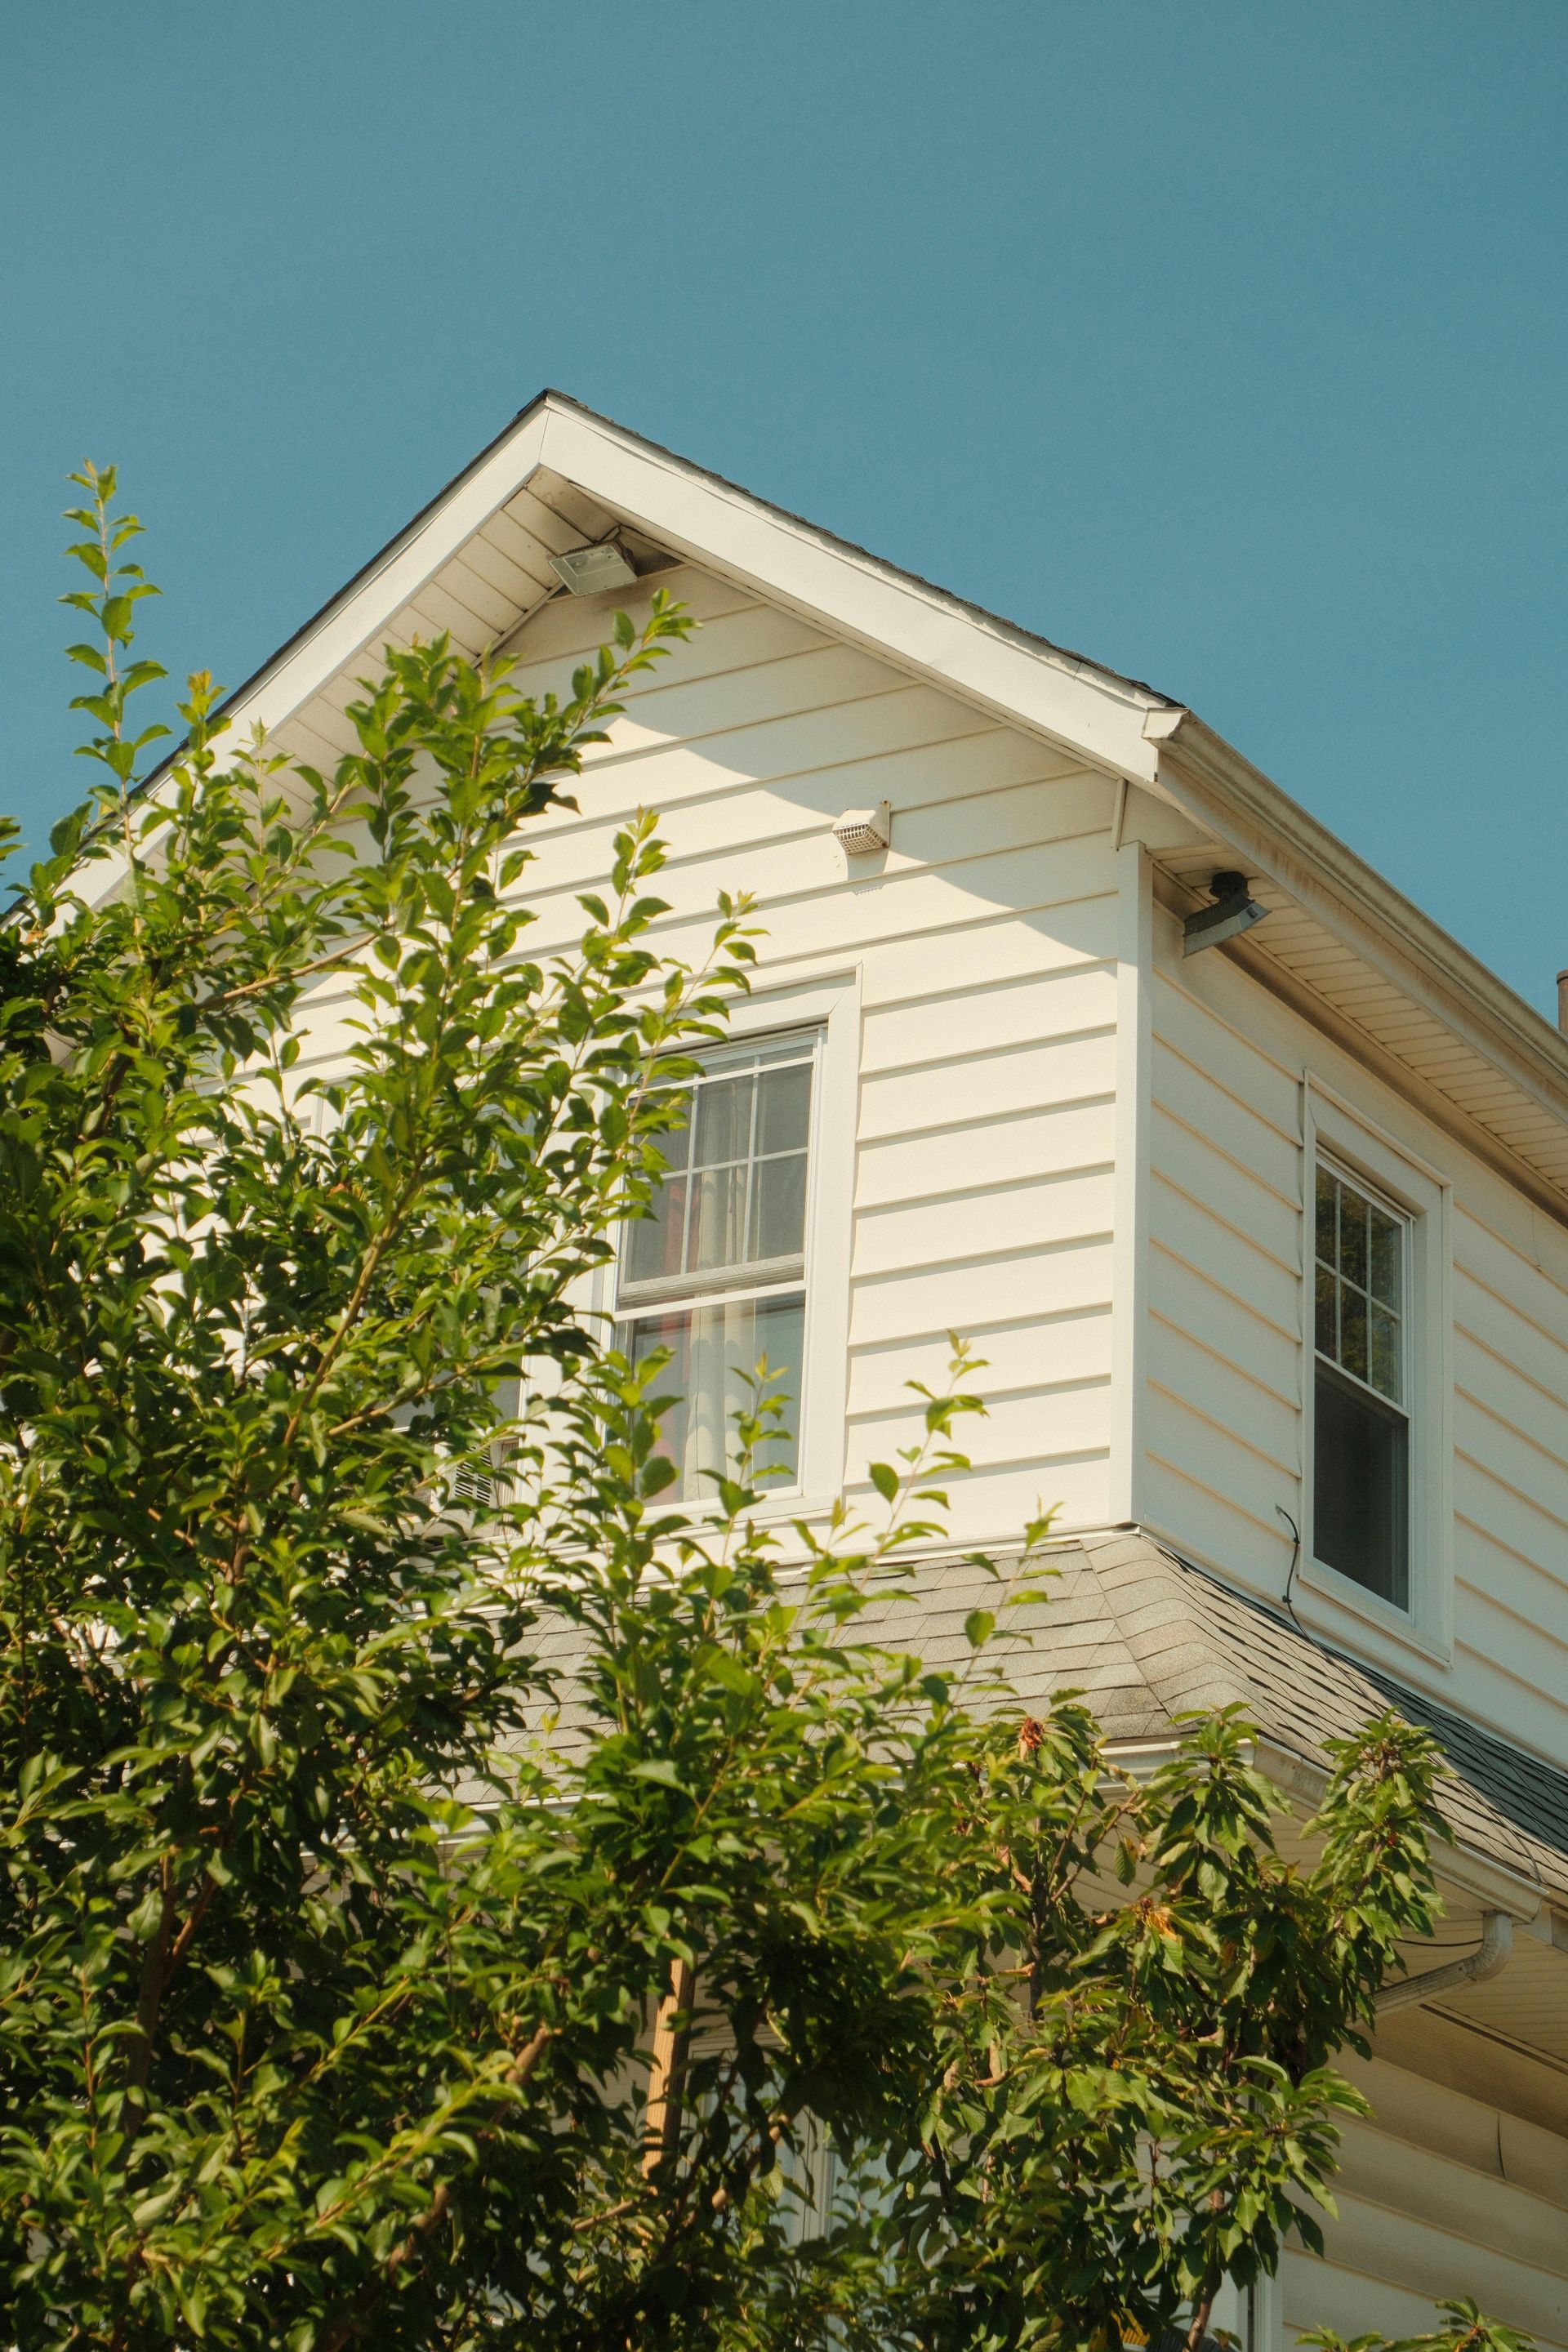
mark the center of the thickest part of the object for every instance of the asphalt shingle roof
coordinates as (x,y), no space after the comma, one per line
(1147,1638)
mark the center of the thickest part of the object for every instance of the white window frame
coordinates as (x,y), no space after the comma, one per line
(832,1008)
(1356,1149)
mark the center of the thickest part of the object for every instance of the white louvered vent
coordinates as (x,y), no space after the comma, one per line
(860,831)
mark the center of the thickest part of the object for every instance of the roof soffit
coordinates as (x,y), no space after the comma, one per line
(1352,952)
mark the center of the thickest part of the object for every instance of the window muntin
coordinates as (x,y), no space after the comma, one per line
(716,1273)
(1360,1487)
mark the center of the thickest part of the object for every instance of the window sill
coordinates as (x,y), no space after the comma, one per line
(1344,1592)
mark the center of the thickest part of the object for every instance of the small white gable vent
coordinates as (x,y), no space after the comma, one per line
(860,831)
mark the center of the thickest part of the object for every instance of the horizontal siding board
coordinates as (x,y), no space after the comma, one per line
(720,772)
(1488,1501)
(1225,1463)
(1316,2294)
(744,643)
(1528,1403)
(1013,1220)
(1524,1284)
(842,740)
(817,679)
(1219,1251)
(998,1504)
(1037,1143)
(1183,1503)
(1270,1223)
(1433,2188)
(1018,1357)
(960,1298)
(1520,1658)
(1240,1066)
(1016,1430)
(1006,1012)
(1022,944)
(1503,1578)
(1428,2259)
(977,1086)
(1204,1104)
(1267,1421)
(810,904)
(1225,1324)
(1487,1435)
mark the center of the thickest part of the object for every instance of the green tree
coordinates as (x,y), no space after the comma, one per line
(448,1890)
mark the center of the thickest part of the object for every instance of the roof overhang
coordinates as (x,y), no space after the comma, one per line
(1347,947)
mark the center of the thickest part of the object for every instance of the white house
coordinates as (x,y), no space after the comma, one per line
(1259,1217)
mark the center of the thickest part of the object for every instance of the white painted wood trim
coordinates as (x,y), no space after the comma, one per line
(1098,718)
(349,627)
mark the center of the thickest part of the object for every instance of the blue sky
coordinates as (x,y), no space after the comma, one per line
(1223,342)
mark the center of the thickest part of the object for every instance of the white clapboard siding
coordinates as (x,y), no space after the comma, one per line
(1225,1358)
(1413,2226)
(985,942)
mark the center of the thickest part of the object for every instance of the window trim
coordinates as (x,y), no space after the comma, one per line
(830,1006)
(1355,1147)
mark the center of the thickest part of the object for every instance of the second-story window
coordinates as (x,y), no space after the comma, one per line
(1361,1471)
(717,1274)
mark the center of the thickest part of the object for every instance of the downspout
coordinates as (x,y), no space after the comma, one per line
(1490,1956)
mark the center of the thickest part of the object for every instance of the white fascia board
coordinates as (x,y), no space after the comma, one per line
(353,621)
(1097,717)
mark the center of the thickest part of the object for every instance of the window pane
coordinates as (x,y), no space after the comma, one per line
(654,1242)
(724,1118)
(778,1211)
(1360,1487)
(1383,1352)
(1353,1213)
(718,1236)
(783,1109)
(1386,1253)
(1327,1336)
(713,1347)
(675,1143)
(1328,1218)
(1352,1330)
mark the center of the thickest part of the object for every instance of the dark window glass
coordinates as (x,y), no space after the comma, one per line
(1360,1487)
(1361,1435)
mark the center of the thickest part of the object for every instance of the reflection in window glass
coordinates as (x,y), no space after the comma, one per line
(714,1349)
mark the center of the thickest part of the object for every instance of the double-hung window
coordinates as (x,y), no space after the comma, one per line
(716,1273)
(1361,1446)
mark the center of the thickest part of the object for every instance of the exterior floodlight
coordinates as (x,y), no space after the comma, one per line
(860,831)
(1232,912)
(587,569)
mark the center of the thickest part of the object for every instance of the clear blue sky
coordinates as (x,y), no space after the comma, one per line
(1225,342)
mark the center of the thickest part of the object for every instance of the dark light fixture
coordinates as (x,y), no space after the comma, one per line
(1233,911)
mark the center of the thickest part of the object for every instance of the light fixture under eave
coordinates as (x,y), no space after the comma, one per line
(587,570)
(1233,912)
